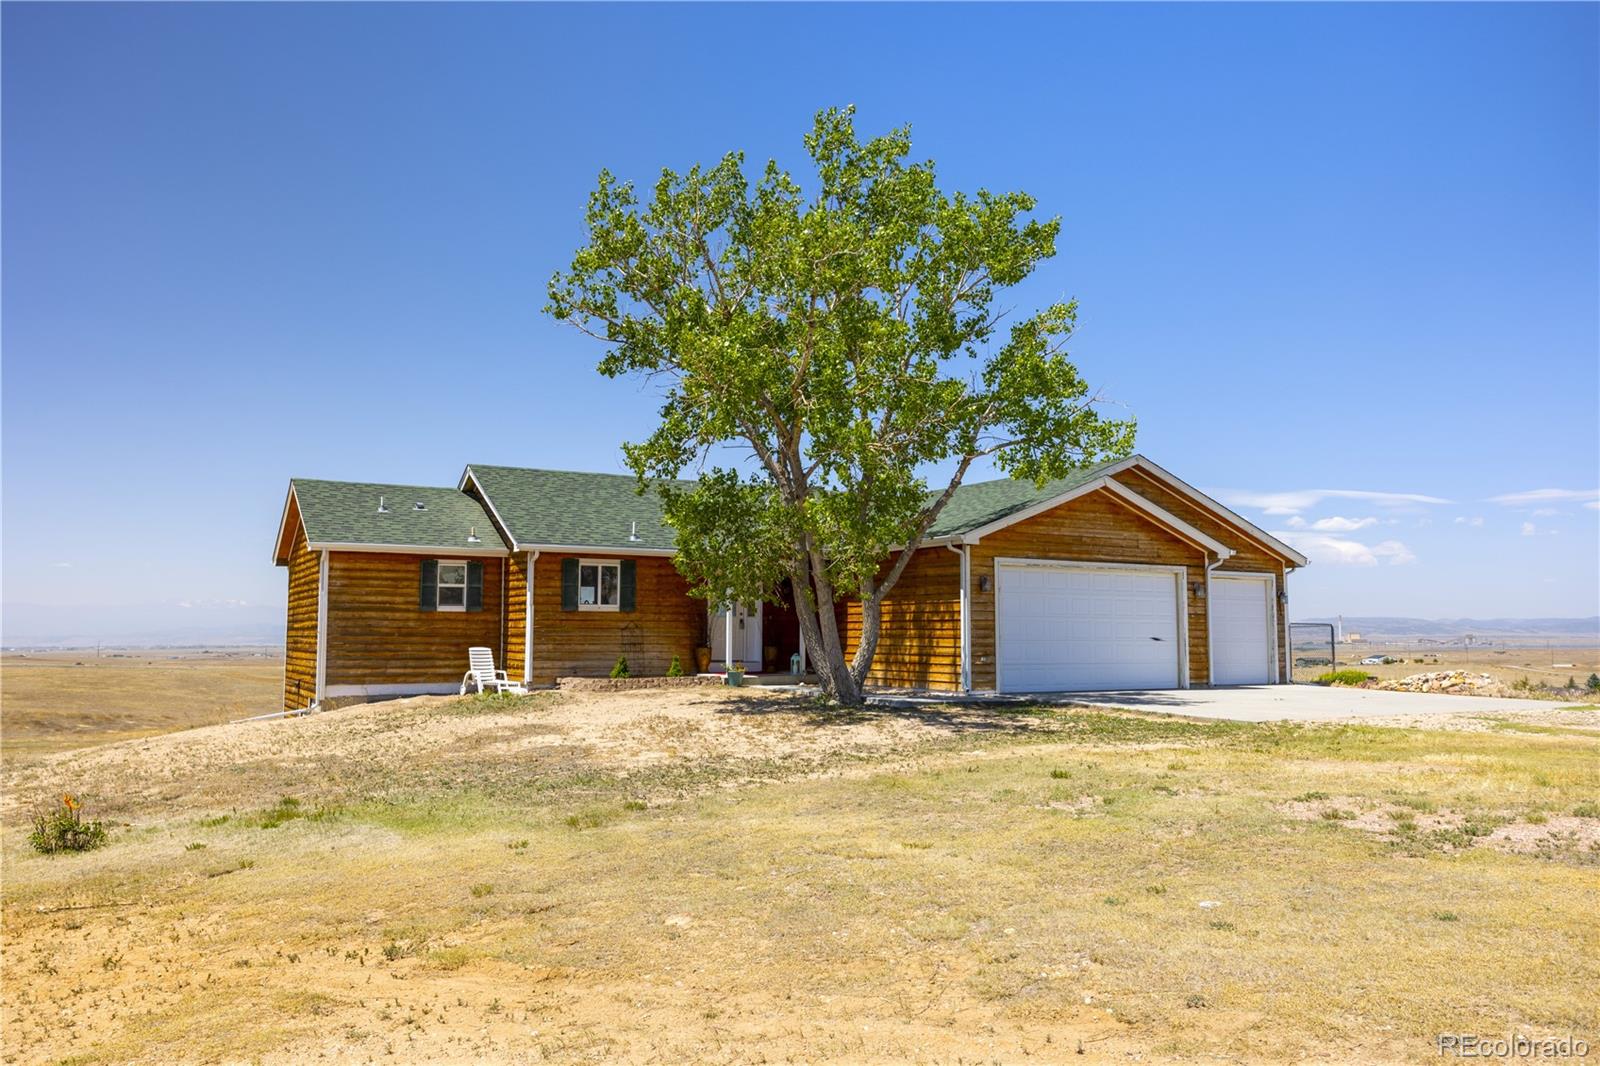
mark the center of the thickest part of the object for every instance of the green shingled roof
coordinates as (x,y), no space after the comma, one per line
(978,504)
(346,512)
(571,509)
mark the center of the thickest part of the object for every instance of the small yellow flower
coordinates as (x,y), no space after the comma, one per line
(69,801)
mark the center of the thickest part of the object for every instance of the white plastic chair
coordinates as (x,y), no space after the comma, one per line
(481,672)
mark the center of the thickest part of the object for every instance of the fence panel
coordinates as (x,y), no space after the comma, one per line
(1312,651)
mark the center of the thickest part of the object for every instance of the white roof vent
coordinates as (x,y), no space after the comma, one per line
(472,536)
(633,534)
(383,508)
(419,506)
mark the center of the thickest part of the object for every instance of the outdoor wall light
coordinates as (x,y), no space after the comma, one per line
(983,583)
(1197,589)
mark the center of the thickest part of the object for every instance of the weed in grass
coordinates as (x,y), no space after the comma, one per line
(1114,901)
(1221,925)
(212,823)
(1310,797)
(1536,818)
(1196,1002)
(1587,809)
(1338,814)
(1060,775)
(593,818)
(394,950)
(1446,916)
(915,845)
(1420,804)
(481,889)
(635,805)
(1177,764)
(518,845)
(1156,890)
(194,847)
(63,829)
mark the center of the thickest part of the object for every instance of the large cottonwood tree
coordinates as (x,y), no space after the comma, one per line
(845,330)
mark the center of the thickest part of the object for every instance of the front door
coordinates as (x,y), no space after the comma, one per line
(746,637)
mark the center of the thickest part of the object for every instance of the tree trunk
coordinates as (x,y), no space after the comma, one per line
(814,611)
(871,628)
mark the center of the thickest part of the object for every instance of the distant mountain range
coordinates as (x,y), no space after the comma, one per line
(1576,630)
(172,625)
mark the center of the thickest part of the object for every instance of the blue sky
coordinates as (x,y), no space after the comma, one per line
(1348,248)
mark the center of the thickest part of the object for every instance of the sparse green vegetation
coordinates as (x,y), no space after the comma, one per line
(63,828)
(620,667)
(1344,677)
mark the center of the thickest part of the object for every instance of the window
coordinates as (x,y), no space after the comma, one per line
(452,585)
(599,585)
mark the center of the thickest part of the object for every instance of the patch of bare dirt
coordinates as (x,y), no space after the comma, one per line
(426,741)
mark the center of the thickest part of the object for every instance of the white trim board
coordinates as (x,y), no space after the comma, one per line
(440,688)
(431,550)
(1180,575)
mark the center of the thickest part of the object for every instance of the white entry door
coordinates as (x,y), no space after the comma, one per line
(1078,628)
(746,637)
(1243,651)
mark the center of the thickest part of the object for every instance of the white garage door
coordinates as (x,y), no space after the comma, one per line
(1074,629)
(1241,630)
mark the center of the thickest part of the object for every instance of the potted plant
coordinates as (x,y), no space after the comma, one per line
(736,673)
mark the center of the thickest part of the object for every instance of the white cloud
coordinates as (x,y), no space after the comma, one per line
(1588,497)
(1475,520)
(1296,522)
(1529,529)
(62,566)
(1297,500)
(1338,524)
(1394,551)
(1546,512)
(1342,551)
(1593,505)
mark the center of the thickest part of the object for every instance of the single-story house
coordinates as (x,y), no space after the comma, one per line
(1120,576)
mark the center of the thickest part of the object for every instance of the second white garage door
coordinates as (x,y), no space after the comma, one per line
(1242,648)
(1082,629)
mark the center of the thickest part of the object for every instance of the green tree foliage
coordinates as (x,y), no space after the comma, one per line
(821,348)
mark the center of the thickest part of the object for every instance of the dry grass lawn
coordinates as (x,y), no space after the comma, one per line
(708,875)
(51,701)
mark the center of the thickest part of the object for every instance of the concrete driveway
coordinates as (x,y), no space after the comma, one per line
(1269,703)
(1307,703)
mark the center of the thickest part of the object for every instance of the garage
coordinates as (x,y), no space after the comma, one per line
(1243,644)
(1075,627)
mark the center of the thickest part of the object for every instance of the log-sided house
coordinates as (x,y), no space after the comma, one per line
(1120,576)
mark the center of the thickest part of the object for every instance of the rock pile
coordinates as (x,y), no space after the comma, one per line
(1455,682)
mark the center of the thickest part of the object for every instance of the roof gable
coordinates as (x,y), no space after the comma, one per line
(992,504)
(340,514)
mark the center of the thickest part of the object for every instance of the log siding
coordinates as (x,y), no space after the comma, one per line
(300,630)
(666,621)
(515,665)
(377,634)
(919,643)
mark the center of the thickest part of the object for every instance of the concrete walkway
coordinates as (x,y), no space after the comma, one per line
(1268,703)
